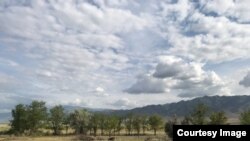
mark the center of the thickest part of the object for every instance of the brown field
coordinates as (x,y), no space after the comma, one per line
(4,127)
(160,137)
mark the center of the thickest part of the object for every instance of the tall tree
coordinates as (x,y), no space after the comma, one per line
(111,123)
(56,119)
(19,122)
(144,121)
(66,122)
(155,122)
(102,123)
(79,121)
(245,117)
(128,122)
(169,126)
(119,126)
(137,124)
(198,116)
(218,118)
(95,122)
(37,116)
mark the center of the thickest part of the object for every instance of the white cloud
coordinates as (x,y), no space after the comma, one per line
(91,50)
(237,10)
(186,79)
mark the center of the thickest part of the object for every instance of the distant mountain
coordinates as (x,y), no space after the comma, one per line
(232,105)
(69,109)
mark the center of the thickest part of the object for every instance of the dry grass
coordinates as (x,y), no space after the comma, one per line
(77,138)
(4,127)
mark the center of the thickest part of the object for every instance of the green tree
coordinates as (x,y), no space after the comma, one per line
(137,124)
(95,122)
(56,119)
(66,122)
(155,122)
(119,126)
(169,126)
(19,122)
(111,123)
(128,122)
(37,116)
(144,122)
(198,116)
(245,117)
(79,121)
(102,123)
(218,118)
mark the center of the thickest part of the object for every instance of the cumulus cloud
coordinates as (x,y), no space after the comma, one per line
(56,49)
(186,79)
(245,81)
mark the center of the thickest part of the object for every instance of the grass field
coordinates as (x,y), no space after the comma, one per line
(4,127)
(78,138)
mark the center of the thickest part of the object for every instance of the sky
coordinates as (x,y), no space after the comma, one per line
(121,54)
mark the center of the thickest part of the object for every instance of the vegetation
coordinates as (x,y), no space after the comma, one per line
(32,119)
(198,116)
(218,118)
(245,117)
(56,119)
(29,118)
(155,123)
(169,126)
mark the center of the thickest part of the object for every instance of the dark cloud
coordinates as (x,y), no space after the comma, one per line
(147,84)
(245,81)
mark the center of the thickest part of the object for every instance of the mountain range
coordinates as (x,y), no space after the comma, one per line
(232,105)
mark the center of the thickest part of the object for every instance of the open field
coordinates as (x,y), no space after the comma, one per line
(4,127)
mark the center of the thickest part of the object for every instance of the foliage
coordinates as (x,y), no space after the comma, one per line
(169,126)
(37,116)
(137,124)
(79,121)
(218,118)
(56,119)
(29,118)
(19,114)
(198,116)
(155,122)
(128,123)
(245,117)
(95,122)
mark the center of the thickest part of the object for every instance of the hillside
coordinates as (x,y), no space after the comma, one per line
(232,105)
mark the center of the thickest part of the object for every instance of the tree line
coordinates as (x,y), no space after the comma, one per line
(201,115)
(28,119)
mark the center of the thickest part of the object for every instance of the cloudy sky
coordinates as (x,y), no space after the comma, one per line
(122,53)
